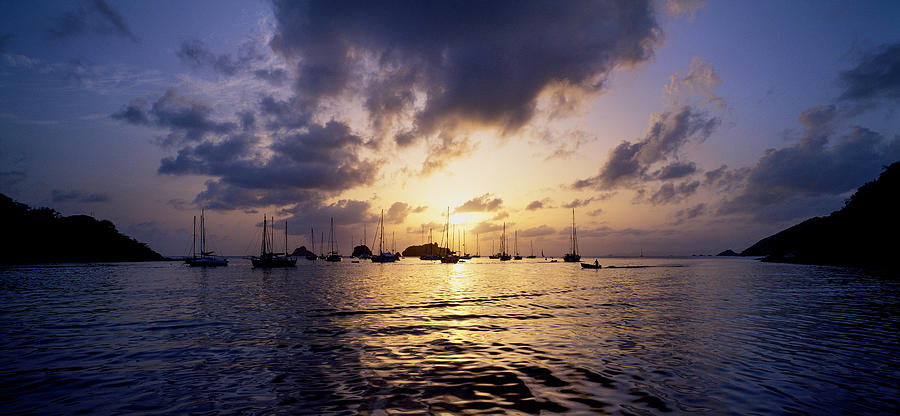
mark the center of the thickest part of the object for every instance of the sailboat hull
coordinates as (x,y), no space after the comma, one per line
(382,258)
(206,262)
(264,263)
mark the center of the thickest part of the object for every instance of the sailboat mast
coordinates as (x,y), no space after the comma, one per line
(202,233)
(265,234)
(574,250)
(331,236)
(285,239)
(194,239)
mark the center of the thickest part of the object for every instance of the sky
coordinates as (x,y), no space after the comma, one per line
(673,127)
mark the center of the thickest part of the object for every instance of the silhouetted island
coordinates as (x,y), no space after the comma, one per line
(425,250)
(302,252)
(861,234)
(360,250)
(42,235)
(728,252)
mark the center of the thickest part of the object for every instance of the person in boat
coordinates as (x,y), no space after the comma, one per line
(596,262)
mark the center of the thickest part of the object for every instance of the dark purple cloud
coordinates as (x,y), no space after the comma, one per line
(540,204)
(538,231)
(821,166)
(486,227)
(724,179)
(629,163)
(187,120)
(483,203)
(676,170)
(94,17)
(478,64)
(398,212)
(196,54)
(669,193)
(687,214)
(317,214)
(577,203)
(321,160)
(876,76)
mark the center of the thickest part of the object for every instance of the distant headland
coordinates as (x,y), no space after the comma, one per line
(861,234)
(42,235)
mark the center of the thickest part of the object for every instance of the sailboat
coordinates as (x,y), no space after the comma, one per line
(503,255)
(573,256)
(517,256)
(532,251)
(382,257)
(267,257)
(366,256)
(332,256)
(431,255)
(477,246)
(312,242)
(465,256)
(206,258)
(450,257)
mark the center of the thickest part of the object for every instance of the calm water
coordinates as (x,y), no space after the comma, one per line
(685,336)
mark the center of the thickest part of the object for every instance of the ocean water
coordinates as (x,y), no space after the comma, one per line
(681,335)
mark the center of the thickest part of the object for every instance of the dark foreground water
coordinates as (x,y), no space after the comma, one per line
(685,335)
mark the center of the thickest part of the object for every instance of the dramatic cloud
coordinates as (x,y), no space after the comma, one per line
(724,179)
(629,163)
(699,80)
(482,203)
(678,8)
(322,159)
(318,214)
(539,231)
(818,165)
(445,149)
(669,193)
(195,53)
(92,17)
(448,66)
(876,76)
(187,120)
(564,145)
(399,211)
(500,216)
(77,196)
(687,214)
(576,203)
(486,227)
(536,205)
(675,170)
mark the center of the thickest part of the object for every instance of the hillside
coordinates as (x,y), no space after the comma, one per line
(861,234)
(425,249)
(42,235)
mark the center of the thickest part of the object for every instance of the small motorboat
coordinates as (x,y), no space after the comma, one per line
(590,266)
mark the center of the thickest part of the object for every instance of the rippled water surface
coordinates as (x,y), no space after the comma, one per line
(683,335)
